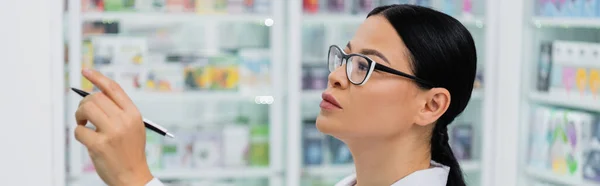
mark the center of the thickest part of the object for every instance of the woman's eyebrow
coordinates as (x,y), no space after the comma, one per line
(375,53)
(370,52)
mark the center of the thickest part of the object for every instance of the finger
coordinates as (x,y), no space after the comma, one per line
(88,111)
(85,135)
(105,104)
(110,88)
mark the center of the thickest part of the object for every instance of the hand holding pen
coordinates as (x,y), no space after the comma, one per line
(117,146)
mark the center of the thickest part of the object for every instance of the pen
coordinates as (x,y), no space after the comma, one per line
(149,124)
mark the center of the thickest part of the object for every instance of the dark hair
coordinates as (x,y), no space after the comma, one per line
(442,51)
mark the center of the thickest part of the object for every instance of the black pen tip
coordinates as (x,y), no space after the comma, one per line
(80,92)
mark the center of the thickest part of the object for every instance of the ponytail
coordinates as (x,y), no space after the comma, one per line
(442,153)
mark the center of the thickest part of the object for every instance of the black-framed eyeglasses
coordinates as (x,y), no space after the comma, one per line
(360,67)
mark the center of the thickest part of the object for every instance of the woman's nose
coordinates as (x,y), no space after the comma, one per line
(338,79)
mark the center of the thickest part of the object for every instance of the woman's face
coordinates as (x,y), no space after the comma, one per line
(386,106)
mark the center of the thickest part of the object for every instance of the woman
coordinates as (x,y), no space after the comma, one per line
(393,90)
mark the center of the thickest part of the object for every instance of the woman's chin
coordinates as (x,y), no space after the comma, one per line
(328,125)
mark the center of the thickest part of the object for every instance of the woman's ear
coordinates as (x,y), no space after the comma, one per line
(437,101)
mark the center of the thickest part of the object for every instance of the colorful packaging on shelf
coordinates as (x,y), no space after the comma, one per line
(254,69)
(119,50)
(163,78)
(312,144)
(317,47)
(570,133)
(478,80)
(550,8)
(589,8)
(320,75)
(127,77)
(539,147)
(119,5)
(467,8)
(391,2)
(262,6)
(594,82)
(449,7)
(363,6)
(306,78)
(150,5)
(576,8)
(339,152)
(338,6)
(235,6)
(462,141)
(207,149)
(171,152)
(559,141)
(235,145)
(310,6)
(426,3)
(87,61)
(197,76)
(225,72)
(211,6)
(259,145)
(205,6)
(185,149)
(91,6)
(574,72)
(591,169)
(544,67)
(153,150)
(180,5)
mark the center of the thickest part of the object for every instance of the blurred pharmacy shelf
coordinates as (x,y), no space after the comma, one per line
(582,63)
(566,22)
(357,19)
(170,17)
(333,18)
(547,176)
(470,166)
(477,94)
(573,100)
(212,96)
(311,95)
(193,111)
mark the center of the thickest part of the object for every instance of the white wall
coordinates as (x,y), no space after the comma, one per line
(31,93)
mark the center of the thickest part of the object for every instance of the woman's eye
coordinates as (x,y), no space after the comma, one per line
(363,66)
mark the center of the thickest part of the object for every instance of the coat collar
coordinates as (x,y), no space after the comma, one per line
(437,175)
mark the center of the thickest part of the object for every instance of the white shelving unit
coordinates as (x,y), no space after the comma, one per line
(535,30)
(541,22)
(275,22)
(175,17)
(574,100)
(357,19)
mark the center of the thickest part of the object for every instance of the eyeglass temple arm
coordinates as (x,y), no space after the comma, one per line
(393,71)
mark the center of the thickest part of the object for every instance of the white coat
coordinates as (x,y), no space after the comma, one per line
(437,175)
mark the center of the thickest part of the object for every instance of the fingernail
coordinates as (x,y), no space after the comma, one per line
(86,71)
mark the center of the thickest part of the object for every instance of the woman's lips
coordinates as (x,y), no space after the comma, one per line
(329,102)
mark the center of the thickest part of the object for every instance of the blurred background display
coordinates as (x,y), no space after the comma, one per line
(217,74)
